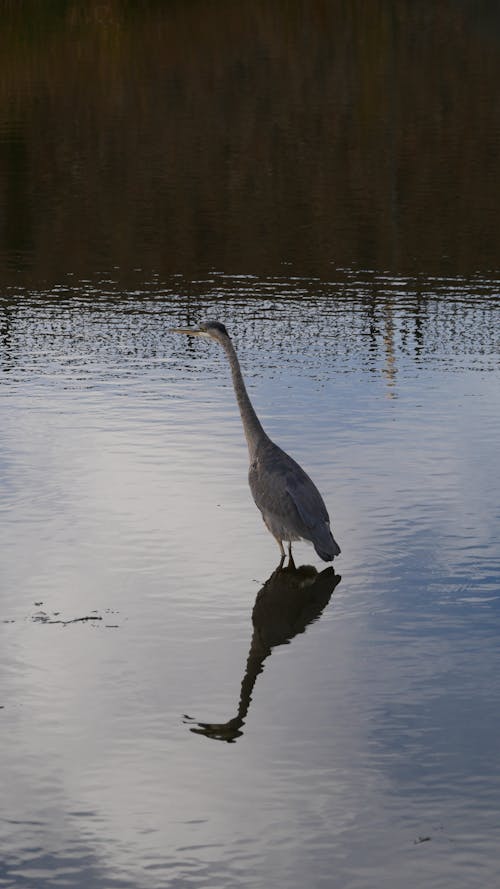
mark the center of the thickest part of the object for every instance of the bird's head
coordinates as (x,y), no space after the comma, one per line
(214,330)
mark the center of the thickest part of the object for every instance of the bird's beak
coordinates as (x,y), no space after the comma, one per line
(189,331)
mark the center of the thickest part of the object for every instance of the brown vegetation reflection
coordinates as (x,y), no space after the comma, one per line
(183,136)
(289,601)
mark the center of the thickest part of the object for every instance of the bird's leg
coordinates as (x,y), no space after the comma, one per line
(291,563)
(282,551)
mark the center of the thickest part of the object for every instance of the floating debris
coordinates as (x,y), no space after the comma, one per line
(43,618)
(53,617)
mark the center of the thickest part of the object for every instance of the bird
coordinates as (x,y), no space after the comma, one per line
(291,506)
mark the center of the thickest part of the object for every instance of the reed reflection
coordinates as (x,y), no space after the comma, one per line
(368,123)
(290,600)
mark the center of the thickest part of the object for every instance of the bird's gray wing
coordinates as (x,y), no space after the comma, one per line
(288,499)
(313,513)
(307,501)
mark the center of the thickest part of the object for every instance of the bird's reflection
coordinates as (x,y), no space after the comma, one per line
(289,601)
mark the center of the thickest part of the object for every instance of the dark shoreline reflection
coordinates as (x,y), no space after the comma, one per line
(290,600)
(183,137)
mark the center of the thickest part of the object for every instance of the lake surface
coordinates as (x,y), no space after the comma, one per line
(146,746)
(323,178)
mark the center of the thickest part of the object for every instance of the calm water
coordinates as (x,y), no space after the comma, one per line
(124,500)
(322,177)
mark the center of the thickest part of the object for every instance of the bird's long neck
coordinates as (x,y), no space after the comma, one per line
(251,423)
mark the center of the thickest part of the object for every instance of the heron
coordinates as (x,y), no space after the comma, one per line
(289,501)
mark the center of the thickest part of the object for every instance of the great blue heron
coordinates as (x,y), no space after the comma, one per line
(290,503)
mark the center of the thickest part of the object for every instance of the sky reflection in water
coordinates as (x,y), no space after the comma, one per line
(124,497)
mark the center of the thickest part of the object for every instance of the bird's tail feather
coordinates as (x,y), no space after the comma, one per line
(327,549)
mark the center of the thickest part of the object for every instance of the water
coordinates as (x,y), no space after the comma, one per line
(140,748)
(190,137)
(323,178)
